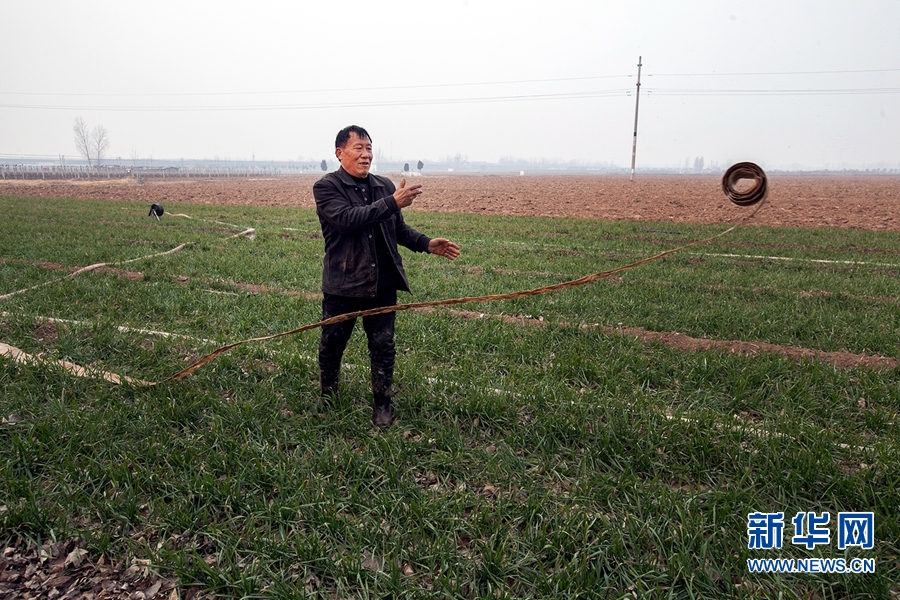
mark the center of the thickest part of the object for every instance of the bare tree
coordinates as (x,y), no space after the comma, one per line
(82,139)
(99,142)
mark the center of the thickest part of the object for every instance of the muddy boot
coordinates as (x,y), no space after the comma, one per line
(383,414)
(382,410)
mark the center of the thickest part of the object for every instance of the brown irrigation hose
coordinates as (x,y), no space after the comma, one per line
(745,171)
(727,184)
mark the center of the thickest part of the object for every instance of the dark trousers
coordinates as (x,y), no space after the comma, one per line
(379,332)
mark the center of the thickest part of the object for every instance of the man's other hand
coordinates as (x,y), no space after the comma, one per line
(444,248)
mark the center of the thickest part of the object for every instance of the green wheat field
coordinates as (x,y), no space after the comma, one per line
(538,456)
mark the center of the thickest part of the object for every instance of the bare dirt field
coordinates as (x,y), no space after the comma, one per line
(871,202)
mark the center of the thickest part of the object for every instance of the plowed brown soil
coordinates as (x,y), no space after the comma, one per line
(871,202)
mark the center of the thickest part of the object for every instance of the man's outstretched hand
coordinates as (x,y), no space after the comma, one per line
(404,196)
(444,248)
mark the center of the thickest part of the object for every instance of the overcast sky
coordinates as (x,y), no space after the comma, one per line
(785,83)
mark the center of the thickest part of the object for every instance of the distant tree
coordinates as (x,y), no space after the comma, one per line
(698,164)
(420,166)
(82,139)
(324,165)
(99,142)
(406,167)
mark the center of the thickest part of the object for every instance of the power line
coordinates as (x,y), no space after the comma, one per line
(470,100)
(322,90)
(321,105)
(772,92)
(657,91)
(772,73)
(433,85)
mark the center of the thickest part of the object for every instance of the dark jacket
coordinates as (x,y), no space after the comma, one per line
(348,226)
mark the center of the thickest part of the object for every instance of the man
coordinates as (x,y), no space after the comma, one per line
(362,224)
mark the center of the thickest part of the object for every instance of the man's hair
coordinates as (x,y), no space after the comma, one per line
(344,135)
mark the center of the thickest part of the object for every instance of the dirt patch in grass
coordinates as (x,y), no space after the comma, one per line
(46,332)
(680,341)
(132,275)
(52,266)
(35,263)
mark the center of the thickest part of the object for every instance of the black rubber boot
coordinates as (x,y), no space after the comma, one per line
(383,415)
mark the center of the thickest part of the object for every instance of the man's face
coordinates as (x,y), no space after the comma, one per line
(356,155)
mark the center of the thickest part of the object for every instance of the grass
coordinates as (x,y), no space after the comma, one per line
(538,462)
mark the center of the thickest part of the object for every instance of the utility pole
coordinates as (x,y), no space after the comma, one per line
(637,99)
